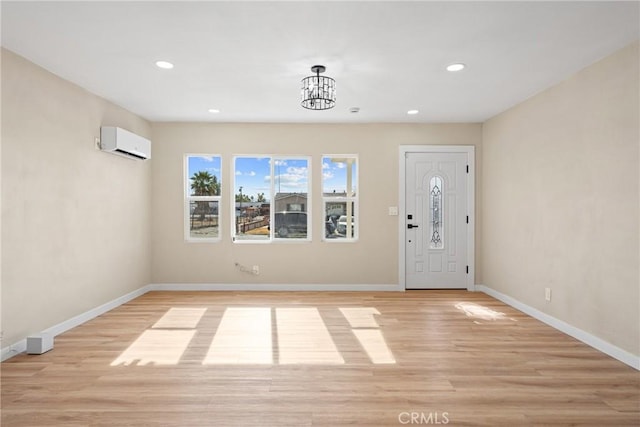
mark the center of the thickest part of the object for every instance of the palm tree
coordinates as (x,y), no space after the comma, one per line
(203,184)
(261,198)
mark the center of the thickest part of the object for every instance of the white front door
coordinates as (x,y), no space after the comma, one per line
(436,220)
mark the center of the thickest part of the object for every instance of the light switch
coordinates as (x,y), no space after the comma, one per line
(393,210)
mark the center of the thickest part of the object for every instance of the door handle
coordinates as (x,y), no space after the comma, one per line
(410,226)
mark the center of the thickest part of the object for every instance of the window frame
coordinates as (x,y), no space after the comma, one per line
(272,238)
(188,199)
(349,199)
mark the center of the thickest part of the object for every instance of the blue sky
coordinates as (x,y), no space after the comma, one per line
(254,175)
(291,175)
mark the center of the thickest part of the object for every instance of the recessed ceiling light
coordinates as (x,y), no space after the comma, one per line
(214,110)
(412,112)
(456,67)
(164,64)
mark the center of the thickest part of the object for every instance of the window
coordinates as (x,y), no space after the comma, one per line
(271,199)
(340,197)
(202,197)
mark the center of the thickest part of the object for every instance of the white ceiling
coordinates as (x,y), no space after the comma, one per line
(247,58)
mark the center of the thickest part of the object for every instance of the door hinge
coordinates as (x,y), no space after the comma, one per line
(467,269)
(467,168)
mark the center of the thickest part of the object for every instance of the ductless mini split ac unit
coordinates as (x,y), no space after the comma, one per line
(124,143)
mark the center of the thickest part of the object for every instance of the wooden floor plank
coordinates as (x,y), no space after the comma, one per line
(463,356)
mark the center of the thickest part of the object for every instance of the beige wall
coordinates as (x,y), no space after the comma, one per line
(561,201)
(75,221)
(557,201)
(373,260)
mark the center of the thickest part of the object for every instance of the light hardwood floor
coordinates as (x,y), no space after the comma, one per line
(297,359)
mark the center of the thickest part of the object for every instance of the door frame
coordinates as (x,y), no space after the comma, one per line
(471,206)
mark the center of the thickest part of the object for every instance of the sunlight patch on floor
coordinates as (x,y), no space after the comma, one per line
(156,347)
(365,328)
(375,345)
(476,311)
(257,336)
(303,338)
(360,317)
(243,337)
(180,318)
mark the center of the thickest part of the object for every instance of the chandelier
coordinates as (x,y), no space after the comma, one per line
(318,92)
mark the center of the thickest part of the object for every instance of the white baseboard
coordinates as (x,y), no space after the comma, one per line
(12,350)
(271,287)
(587,338)
(21,346)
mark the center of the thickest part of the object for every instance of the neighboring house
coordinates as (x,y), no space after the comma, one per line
(296,202)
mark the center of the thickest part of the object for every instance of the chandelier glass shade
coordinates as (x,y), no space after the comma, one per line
(318,92)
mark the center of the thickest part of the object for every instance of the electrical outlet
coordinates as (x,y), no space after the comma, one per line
(255,270)
(547,294)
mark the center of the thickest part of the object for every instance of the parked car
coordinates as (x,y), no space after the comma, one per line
(342,226)
(290,224)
